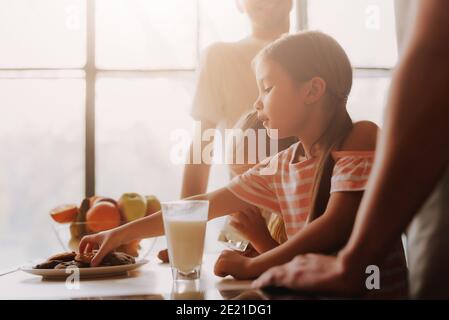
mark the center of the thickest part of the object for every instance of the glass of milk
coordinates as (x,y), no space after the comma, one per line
(185,229)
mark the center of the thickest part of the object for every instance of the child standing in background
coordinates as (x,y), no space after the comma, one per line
(226,87)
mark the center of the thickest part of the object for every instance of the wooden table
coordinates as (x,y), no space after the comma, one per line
(152,281)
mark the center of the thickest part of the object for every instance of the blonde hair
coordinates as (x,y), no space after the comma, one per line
(310,54)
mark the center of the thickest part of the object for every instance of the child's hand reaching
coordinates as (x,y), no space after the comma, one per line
(105,242)
(252,225)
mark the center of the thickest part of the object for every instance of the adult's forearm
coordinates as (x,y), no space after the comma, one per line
(412,154)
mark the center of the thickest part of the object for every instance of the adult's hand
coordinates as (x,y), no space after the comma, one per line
(314,273)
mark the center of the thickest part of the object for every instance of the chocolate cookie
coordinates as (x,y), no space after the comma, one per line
(117,259)
(48,264)
(85,258)
(64,265)
(71,259)
(65,256)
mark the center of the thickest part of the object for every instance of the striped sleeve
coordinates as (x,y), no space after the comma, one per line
(351,170)
(255,187)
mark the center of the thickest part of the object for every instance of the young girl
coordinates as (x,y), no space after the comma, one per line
(316,185)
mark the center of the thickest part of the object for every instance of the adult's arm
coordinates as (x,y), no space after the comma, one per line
(413,151)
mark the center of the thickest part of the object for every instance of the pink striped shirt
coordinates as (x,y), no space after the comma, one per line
(282,185)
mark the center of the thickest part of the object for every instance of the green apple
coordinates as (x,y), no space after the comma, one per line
(153,204)
(132,205)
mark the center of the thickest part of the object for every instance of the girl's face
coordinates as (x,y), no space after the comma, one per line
(282,103)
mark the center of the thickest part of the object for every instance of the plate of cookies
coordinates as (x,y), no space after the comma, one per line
(63,264)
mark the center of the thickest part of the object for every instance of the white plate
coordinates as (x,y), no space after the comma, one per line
(96,272)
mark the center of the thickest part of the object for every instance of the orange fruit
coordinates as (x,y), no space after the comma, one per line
(103,216)
(65,213)
(101,199)
(93,199)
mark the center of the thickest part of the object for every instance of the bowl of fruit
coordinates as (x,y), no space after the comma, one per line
(95,214)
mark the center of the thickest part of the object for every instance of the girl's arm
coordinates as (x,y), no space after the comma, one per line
(326,234)
(221,202)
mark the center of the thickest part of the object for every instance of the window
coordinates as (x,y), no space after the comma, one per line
(367,31)
(135,118)
(46,34)
(119,75)
(42,107)
(146,34)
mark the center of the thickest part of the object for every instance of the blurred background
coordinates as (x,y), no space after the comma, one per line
(90,92)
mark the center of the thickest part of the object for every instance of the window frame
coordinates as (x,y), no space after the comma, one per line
(91,73)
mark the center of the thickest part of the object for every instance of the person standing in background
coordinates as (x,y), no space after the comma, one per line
(226,88)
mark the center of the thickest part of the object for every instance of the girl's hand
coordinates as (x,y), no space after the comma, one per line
(236,265)
(105,242)
(252,225)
